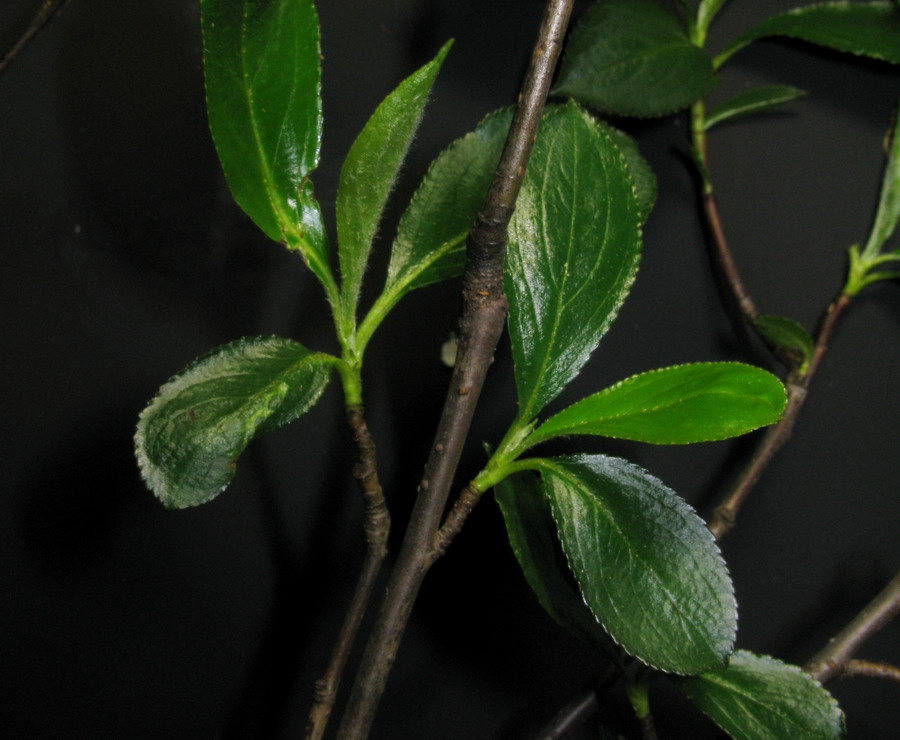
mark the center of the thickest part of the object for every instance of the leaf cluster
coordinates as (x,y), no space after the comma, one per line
(611,552)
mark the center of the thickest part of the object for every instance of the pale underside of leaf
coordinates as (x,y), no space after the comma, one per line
(189,437)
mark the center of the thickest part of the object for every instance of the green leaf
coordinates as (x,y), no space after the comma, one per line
(641,172)
(787,334)
(675,405)
(646,564)
(888,214)
(574,246)
(370,169)
(706,11)
(533,538)
(633,58)
(869,29)
(861,271)
(261,62)
(431,235)
(757,100)
(189,437)
(759,698)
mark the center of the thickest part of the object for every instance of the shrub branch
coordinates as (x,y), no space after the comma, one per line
(835,659)
(46,13)
(480,327)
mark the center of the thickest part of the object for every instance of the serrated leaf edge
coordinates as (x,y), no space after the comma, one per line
(680,503)
(537,438)
(151,473)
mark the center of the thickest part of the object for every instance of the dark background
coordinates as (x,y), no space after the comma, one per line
(122,258)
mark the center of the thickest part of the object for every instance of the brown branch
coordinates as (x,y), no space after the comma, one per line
(459,512)
(579,709)
(724,516)
(481,324)
(648,728)
(871,669)
(377,525)
(45,14)
(725,259)
(833,659)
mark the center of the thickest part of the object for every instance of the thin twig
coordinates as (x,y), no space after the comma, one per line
(481,324)
(377,525)
(724,516)
(455,519)
(798,379)
(871,669)
(648,729)
(833,659)
(580,708)
(46,13)
(726,261)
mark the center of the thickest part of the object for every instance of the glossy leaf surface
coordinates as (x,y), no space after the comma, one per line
(786,334)
(633,58)
(757,100)
(430,243)
(758,698)
(370,169)
(682,404)
(533,538)
(261,62)
(866,29)
(646,564)
(574,246)
(641,173)
(190,436)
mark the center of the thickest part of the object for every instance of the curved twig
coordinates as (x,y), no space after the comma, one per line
(377,525)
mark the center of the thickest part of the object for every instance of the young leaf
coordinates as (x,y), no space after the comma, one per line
(430,242)
(675,405)
(786,334)
(757,698)
(862,266)
(533,538)
(870,29)
(757,100)
(646,564)
(189,438)
(574,246)
(261,62)
(368,173)
(888,214)
(633,58)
